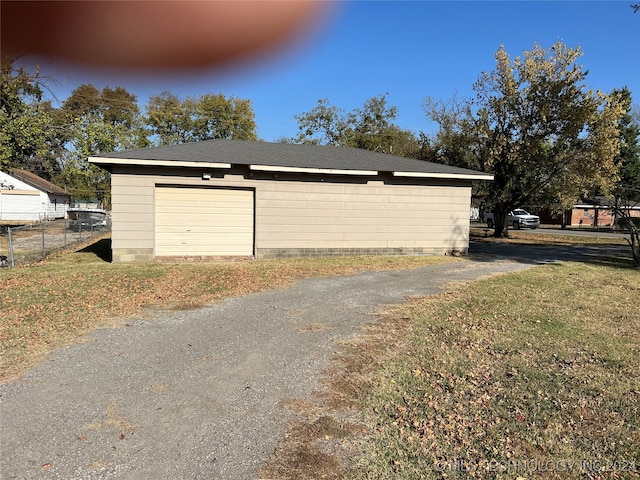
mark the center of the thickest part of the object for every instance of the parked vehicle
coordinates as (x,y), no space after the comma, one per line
(87,218)
(516,219)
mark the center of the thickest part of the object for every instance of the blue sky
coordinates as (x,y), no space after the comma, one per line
(408,50)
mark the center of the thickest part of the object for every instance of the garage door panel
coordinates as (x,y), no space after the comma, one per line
(196,214)
(191,249)
(179,196)
(188,224)
(230,228)
(213,237)
(219,206)
(203,221)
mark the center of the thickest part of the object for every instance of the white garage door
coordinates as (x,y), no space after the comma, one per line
(203,221)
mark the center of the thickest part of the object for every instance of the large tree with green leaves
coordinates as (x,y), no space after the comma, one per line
(172,120)
(26,134)
(96,121)
(544,135)
(371,127)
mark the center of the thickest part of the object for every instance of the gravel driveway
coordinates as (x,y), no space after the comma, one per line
(194,394)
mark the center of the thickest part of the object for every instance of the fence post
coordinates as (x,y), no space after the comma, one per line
(10,246)
(44,251)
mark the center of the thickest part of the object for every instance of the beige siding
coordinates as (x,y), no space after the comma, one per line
(132,216)
(301,215)
(315,215)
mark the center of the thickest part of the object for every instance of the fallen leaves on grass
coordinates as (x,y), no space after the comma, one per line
(57,302)
(491,375)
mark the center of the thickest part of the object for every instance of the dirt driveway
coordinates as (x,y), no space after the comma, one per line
(195,394)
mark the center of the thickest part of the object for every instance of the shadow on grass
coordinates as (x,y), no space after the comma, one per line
(618,256)
(101,249)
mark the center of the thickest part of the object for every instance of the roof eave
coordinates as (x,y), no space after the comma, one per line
(102,161)
(456,176)
(39,186)
(329,171)
(156,163)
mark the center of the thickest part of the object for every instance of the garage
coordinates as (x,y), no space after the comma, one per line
(194,221)
(234,198)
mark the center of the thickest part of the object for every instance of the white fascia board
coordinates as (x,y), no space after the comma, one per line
(156,163)
(331,171)
(456,176)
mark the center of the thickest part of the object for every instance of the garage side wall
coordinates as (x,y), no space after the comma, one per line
(304,217)
(132,216)
(300,219)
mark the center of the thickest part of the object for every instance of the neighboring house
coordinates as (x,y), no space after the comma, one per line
(597,215)
(587,213)
(25,197)
(222,198)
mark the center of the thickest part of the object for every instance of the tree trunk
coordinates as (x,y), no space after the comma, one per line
(500,221)
(625,220)
(634,241)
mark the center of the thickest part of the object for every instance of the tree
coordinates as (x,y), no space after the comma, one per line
(622,211)
(325,124)
(25,120)
(635,114)
(628,159)
(173,121)
(453,141)
(96,122)
(626,192)
(226,118)
(369,128)
(168,119)
(540,131)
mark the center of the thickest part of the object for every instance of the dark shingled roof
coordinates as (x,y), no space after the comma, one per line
(38,182)
(241,152)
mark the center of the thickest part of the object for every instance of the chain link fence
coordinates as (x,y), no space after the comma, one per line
(31,243)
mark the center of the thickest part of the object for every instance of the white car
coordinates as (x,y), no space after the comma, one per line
(517,219)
